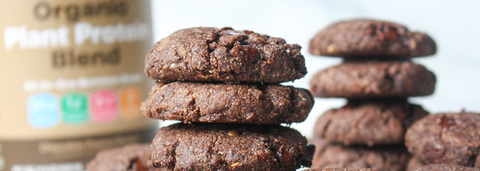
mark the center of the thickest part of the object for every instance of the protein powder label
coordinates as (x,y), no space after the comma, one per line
(71,74)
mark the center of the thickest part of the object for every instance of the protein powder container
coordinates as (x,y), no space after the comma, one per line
(71,80)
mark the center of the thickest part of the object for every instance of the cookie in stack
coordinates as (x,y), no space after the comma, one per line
(337,169)
(132,157)
(446,167)
(224,86)
(376,77)
(445,138)
(330,154)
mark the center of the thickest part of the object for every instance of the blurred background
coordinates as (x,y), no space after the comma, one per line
(452,24)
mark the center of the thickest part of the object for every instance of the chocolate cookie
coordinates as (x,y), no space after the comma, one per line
(205,146)
(224,55)
(446,138)
(337,169)
(373,79)
(414,164)
(369,122)
(446,167)
(362,38)
(327,154)
(222,103)
(134,157)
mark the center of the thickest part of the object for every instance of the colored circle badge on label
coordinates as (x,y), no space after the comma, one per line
(74,108)
(104,106)
(42,110)
(130,100)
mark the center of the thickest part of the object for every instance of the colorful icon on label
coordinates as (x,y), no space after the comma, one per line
(74,108)
(130,100)
(43,110)
(104,106)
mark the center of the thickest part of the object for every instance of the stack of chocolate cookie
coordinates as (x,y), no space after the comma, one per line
(376,77)
(224,86)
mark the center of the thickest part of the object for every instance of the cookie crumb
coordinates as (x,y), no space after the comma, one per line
(235,164)
(232,133)
(331,48)
(172,66)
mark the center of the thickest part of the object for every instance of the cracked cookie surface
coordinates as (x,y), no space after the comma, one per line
(206,54)
(204,146)
(450,138)
(328,154)
(369,39)
(223,103)
(373,79)
(369,122)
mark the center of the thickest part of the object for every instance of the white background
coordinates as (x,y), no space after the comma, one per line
(454,25)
